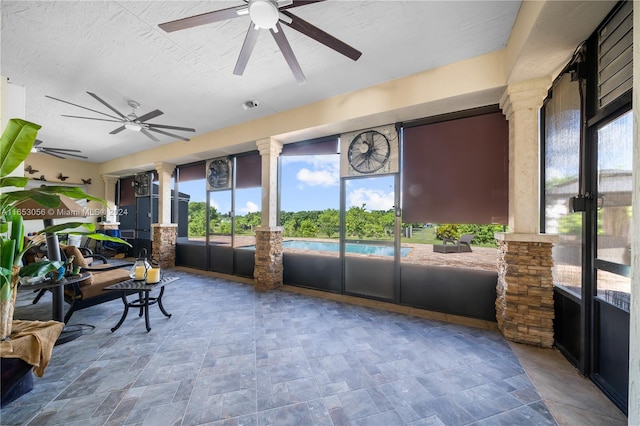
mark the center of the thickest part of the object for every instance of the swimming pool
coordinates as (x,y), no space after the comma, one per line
(357,248)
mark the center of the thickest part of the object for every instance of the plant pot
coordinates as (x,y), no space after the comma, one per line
(6,306)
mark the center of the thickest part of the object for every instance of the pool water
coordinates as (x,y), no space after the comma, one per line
(372,249)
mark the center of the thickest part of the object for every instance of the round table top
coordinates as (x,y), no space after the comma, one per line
(50,283)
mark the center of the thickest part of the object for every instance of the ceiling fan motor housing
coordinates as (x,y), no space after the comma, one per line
(264,13)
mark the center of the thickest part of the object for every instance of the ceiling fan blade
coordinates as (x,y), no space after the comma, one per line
(80,106)
(168,134)
(287,52)
(150,115)
(203,19)
(60,150)
(55,153)
(164,126)
(118,130)
(320,36)
(91,118)
(106,104)
(247,48)
(149,135)
(297,3)
(52,154)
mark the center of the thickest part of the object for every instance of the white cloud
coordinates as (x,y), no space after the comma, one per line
(249,207)
(322,170)
(374,199)
(318,177)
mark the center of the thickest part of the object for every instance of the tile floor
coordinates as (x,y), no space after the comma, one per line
(231,356)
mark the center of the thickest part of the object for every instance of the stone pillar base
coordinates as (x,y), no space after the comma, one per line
(524,304)
(164,244)
(268,262)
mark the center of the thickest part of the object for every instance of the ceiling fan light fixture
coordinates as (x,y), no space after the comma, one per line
(132,126)
(264,13)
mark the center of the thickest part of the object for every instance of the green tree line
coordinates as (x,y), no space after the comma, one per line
(360,223)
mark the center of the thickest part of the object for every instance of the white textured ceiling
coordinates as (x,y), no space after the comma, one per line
(116,50)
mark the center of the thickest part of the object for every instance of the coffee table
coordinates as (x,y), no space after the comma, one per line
(143,301)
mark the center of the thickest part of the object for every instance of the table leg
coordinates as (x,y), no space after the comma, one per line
(124,314)
(146,310)
(166,314)
(141,301)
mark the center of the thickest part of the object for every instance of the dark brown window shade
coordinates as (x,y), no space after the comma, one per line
(457,171)
(322,146)
(127,193)
(248,171)
(192,172)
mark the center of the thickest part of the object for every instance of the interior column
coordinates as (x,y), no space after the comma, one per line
(164,233)
(110,197)
(268,261)
(524,304)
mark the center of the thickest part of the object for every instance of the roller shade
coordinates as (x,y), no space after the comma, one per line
(194,171)
(248,171)
(457,171)
(323,146)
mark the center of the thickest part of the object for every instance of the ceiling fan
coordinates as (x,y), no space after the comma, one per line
(130,121)
(56,152)
(268,14)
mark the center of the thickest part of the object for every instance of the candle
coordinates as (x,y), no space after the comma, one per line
(140,270)
(153,275)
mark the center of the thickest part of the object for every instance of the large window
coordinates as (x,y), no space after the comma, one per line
(562,150)
(455,188)
(247,199)
(310,197)
(192,187)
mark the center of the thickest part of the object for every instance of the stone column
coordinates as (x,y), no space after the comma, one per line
(164,244)
(524,304)
(164,233)
(110,197)
(268,261)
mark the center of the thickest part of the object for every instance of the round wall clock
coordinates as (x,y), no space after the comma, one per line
(369,151)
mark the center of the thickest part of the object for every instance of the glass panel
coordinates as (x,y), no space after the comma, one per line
(309,203)
(369,236)
(614,289)
(220,218)
(432,244)
(193,192)
(562,173)
(615,157)
(247,216)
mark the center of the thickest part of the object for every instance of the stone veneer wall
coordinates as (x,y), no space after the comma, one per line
(164,244)
(267,272)
(524,304)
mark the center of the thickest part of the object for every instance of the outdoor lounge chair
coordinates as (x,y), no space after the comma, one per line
(89,292)
(462,245)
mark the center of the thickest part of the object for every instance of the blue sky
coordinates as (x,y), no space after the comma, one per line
(309,182)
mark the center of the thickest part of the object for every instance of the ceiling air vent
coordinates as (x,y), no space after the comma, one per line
(615,56)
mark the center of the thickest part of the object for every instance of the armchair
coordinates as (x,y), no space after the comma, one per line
(461,245)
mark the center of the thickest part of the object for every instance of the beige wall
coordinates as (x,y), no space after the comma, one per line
(467,84)
(75,170)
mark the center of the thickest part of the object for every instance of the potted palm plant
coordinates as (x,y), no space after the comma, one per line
(15,145)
